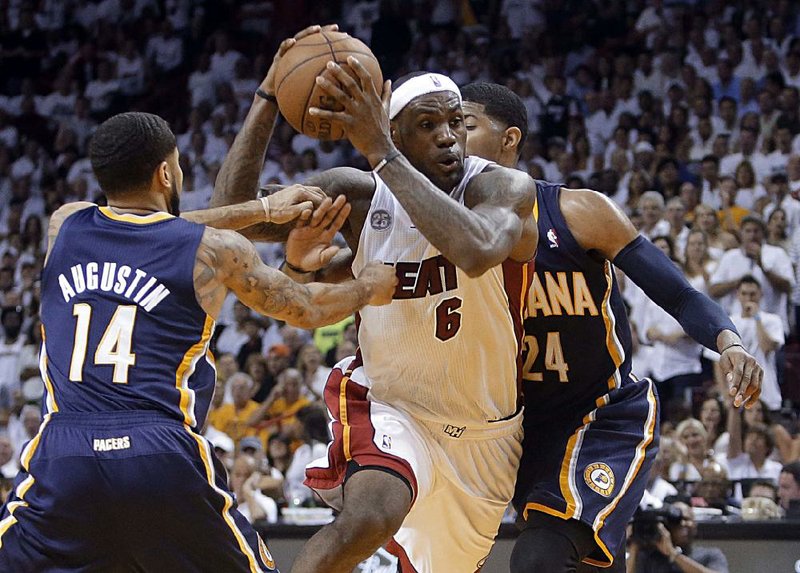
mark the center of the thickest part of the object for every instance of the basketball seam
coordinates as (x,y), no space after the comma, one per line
(294,68)
(310,93)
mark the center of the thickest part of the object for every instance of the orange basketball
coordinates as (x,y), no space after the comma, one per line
(297,70)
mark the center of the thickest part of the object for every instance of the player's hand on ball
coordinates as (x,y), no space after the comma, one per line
(383,281)
(294,201)
(366,113)
(268,83)
(309,244)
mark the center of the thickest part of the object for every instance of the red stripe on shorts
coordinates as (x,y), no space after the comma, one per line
(353,434)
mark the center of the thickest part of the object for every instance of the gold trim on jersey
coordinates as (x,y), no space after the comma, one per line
(186,369)
(25,485)
(135,219)
(633,470)
(615,350)
(50,400)
(536,209)
(205,455)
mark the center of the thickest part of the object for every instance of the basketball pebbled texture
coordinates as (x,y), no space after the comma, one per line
(297,70)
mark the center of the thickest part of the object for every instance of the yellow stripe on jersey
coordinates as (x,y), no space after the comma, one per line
(613,345)
(536,209)
(633,470)
(135,219)
(50,399)
(186,369)
(205,455)
(25,485)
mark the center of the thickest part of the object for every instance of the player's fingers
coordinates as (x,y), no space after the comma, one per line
(284,47)
(315,194)
(305,215)
(387,95)
(362,73)
(313,29)
(340,218)
(330,28)
(320,212)
(330,215)
(327,254)
(734,370)
(754,392)
(346,80)
(341,116)
(747,379)
(334,90)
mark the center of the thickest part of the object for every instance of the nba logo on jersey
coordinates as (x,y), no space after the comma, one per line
(553,238)
(387,442)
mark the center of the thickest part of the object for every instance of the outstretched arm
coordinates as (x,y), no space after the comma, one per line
(226,260)
(600,226)
(237,180)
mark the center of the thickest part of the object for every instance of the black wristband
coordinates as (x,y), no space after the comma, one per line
(731,346)
(264,95)
(394,154)
(295,269)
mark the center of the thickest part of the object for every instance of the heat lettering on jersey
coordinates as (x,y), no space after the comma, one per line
(419,279)
(133,284)
(561,294)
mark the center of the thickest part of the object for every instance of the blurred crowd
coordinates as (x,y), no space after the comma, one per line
(685,113)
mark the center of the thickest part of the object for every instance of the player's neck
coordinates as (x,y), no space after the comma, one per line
(138,206)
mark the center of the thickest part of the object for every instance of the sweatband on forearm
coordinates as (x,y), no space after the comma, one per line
(662,281)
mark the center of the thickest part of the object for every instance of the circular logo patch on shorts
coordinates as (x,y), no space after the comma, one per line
(380,220)
(600,478)
(266,556)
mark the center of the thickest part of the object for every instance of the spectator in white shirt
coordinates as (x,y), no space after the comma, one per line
(675,215)
(770,266)
(748,455)
(762,335)
(165,50)
(101,91)
(749,190)
(253,505)
(777,235)
(696,456)
(651,206)
(748,139)
(223,60)
(778,196)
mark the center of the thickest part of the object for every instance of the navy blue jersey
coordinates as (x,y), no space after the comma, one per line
(578,339)
(122,325)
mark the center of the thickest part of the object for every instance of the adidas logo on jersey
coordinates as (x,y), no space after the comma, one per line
(109,444)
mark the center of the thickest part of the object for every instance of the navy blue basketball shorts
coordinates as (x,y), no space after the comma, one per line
(124,491)
(594,468)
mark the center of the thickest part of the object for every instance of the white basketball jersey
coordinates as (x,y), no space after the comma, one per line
(447,348)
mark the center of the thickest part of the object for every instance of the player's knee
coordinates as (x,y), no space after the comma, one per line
(540,550)
(369,527)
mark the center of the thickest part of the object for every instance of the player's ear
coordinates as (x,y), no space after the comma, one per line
(511,138)
(393,132)
(164,174)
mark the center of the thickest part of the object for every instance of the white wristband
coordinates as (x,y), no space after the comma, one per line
(265,204)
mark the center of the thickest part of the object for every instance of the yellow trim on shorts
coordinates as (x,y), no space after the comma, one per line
(135,219)
(563,480)
(205,455)
(186,369)
(25,485)
(343,415)
(649,432)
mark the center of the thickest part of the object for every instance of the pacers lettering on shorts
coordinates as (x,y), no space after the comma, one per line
(111,444)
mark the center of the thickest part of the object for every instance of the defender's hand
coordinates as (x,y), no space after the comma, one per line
(664,543)
(366,114)
(382,279)
(309,244)
(292,202)
(743,375)
(268,83)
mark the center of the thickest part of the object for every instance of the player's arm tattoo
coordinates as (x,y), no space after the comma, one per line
(475,236)
(237,180)
(226,260)
(57,219)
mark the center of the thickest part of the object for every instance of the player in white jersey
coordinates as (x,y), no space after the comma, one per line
(426,418)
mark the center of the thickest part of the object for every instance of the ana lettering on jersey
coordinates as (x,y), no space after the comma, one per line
(419,279)
(133,284)
(562,293)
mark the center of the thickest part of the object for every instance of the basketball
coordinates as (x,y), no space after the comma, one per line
(296,88)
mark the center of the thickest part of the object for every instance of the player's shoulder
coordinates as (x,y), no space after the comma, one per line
(501,185)
(62,213)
